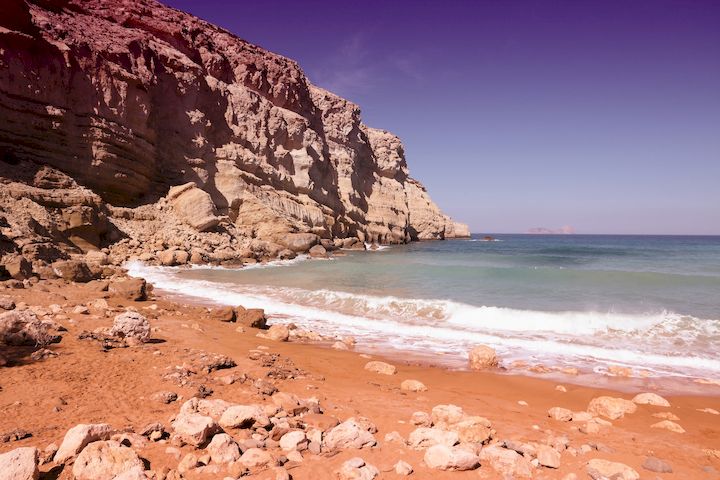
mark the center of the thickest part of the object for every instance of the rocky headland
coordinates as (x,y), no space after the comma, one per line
(143,132)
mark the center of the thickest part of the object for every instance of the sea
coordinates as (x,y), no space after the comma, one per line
(646,304)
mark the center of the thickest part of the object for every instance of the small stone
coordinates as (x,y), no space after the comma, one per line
(255,457)
(131,325)
(548,456)
(668,425)
(381,367)
(421,419)
(403,468)
(412,386)
(560,414)
(611,407)
(443,457)
(164,397)
(599,469)
(656,465)
(650,399)
(561,388)
(357,469)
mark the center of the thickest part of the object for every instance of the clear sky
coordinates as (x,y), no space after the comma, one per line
(601,115)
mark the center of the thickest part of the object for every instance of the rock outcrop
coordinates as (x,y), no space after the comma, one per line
(120,119)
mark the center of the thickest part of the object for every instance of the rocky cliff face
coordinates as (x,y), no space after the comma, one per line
(129,98)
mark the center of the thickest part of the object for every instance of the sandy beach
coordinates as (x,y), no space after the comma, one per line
(85,384)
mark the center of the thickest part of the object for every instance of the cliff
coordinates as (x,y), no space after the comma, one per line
(128,98)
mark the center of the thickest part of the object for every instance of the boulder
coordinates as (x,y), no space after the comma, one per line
(656,465)
(22,327)
(97,257)
(131,325)
(668,425)
(611,407)
(223,314)
(381,367)
(413,386)
(348,434)
(548,456)
(173,257)
(72,271)
(318,251)
(104,460)
(560,414)
(425,437)
(194,429)
(257,458)
(650,399)
(133,289)
(403,468)
(20,464)
(251,317)
(17,266)
(506,462)
(299,242)
(78,437)
(294,440)
(194,206)
(482,357)
(357,469)
(278,333)
(223,449)
(473,429)
(599,469)
(244,416)
(443,457)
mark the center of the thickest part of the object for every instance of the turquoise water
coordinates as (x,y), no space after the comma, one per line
(648,302)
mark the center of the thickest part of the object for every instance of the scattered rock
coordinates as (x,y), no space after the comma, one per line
(650,399)
(348,435)
(413,386)
(548,456)
(131,326)
(425,437)
(318,251)
(244,416)
(223,314)
(133,289)
(656,465)
(24,328)
(78,437)
(164,397)
(599,469)
(251,317)
(482,357)
(223,449)
(421,419)
(668,425)
(104,460)
(560,414)
(380,367)
(278,332)
(611,407)
(6,303)
(193,428)
(20,464)
(357,469)
(257,458)
(403,468)
(72,271)
(443,457)
(14,435)
(506,462)
(295,440)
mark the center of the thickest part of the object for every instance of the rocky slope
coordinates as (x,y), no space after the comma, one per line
(109,104)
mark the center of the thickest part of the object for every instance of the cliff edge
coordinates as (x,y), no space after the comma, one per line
(108,104)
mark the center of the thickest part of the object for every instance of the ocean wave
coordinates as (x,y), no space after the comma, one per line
(664,342)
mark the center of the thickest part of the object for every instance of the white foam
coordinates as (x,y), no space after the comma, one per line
(647,341)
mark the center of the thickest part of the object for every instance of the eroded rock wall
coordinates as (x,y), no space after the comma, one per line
(129,98)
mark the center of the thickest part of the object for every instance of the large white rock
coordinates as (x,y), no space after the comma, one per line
(244,416)
(194,206)
(413,386)
(104,460)
(131,325)
(223,449)
(506,462)
(80,435)
(482,357)
(20,464)
(611,407)
(295,440)
(599,469)
(424,437)
(442,457)
(348,434)
(193,428)
(650,399)
(381,367)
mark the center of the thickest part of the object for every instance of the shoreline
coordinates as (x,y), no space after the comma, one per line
(621,382)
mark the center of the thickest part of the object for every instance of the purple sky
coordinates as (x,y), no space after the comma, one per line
(602,115)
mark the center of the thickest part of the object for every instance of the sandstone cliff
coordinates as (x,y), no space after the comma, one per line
(125,99)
